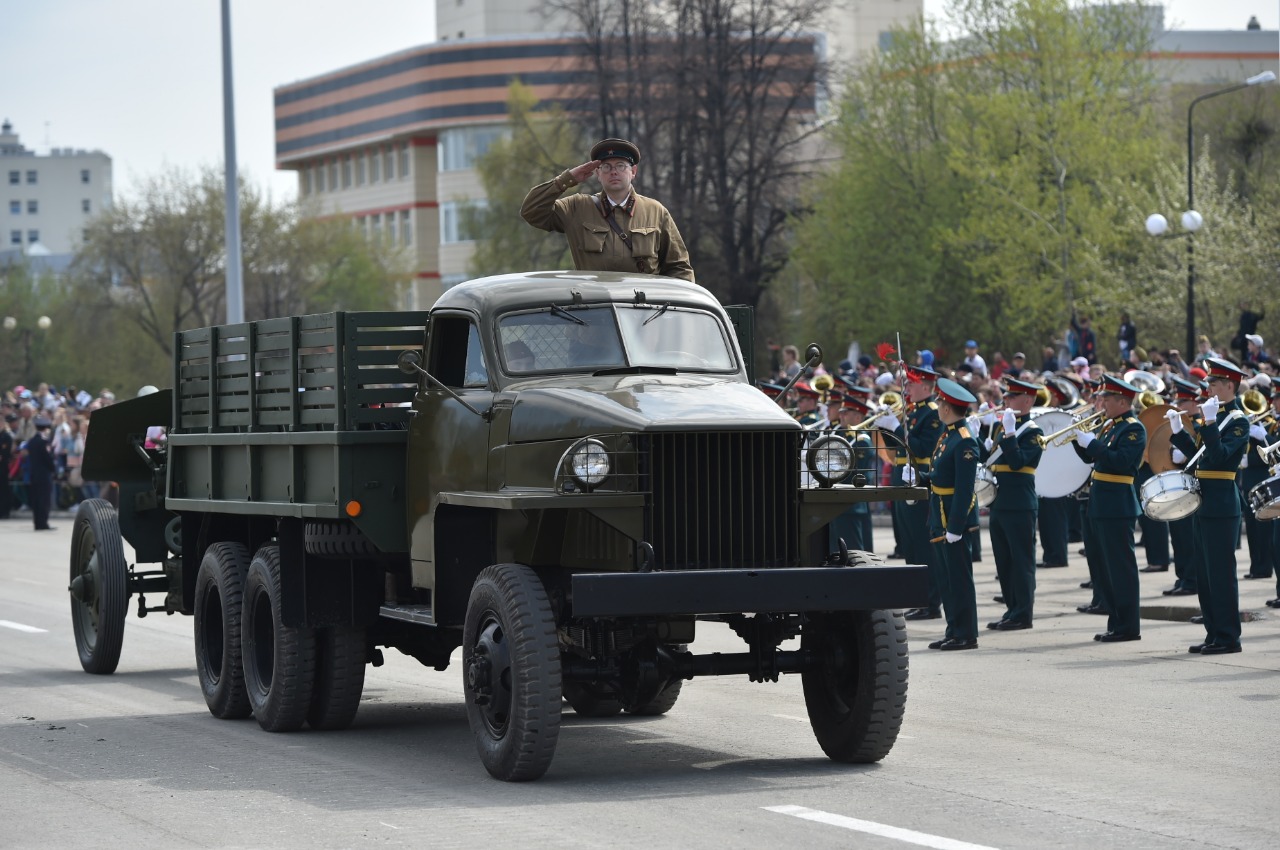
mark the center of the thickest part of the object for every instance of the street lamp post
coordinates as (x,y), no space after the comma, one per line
(11,325)
(1192,221)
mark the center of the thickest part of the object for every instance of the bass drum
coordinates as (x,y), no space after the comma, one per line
(1264,499)
(1061,471)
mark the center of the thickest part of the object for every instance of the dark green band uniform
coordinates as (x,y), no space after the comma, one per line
(1013,515)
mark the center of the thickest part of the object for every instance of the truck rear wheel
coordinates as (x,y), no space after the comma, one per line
(857,692)
(99,586)
(590,700)
(218,609)
(279,661)
(666,698)
(340,652)
(511,664)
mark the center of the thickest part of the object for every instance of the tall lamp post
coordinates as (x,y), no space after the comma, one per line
(11,325)
(1157,225)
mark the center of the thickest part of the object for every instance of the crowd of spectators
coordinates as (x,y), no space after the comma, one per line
(62,417)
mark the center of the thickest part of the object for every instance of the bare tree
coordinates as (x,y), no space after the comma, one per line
(720,95)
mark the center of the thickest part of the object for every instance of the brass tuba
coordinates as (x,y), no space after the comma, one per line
(823,384)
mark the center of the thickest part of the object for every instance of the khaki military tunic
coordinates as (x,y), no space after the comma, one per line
(655,244)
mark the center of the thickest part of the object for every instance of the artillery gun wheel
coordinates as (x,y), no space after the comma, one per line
(279,661)
(99,586)
(340,661)
(511,678)
(219,607)
(590,700)
(857,692)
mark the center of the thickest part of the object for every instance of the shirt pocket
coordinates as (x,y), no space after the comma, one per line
(644,248)
(594,237)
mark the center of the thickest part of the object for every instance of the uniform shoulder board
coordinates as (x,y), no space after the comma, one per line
(1032,426)
(933,405)
(964,432)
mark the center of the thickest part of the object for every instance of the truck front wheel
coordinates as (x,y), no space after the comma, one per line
(279,661)
(511,672)
(219,600)
(857,690)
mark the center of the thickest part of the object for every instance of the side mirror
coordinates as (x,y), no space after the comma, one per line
(409,362)
(813,354)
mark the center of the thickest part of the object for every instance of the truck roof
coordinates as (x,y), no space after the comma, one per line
(488,295)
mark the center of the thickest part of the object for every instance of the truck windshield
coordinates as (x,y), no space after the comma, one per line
(594,338)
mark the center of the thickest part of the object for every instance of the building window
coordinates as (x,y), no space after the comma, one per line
(404,160)
(319,178)
(453,227)
(360,157)
(333,175)
(305,181)
(33,236)
(389,163)
(15,178)
(15,208)
(346,172)
(84,205)
(15,237)
(84,175)
(449,281)
(406,228)
(458,148)
(84,236)
(33,207)
(375,166)
(31,178)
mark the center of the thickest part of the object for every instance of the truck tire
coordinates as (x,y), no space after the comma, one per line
(218,608)
(859,558)
(328,539)
(340,661)
(589,700)
(99,586)
(857,692)
(279,661)
(666,698)
(511,672)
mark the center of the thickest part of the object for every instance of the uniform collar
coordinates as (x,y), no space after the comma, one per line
(607,205)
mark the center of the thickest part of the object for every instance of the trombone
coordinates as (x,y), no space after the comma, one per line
(888,402)
(1256,405)
(1065,435)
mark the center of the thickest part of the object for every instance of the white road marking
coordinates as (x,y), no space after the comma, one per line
(910,836)
(792,717)
(9,624)
(389,826)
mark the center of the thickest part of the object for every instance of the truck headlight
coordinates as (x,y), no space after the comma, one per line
(829,459)
(588,462)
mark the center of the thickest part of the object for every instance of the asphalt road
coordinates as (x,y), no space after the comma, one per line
(1037,739)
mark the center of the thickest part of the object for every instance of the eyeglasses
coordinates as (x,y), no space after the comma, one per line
(608,168)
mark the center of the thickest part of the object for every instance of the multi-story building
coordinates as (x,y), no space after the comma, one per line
(391,143)
(46,200)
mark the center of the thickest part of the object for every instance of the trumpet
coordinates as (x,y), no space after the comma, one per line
(1061,437)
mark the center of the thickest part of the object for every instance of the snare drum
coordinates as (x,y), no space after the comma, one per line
(984,488)
(1264,499)
(1170,496)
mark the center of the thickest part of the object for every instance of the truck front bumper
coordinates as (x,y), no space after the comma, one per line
(749,591)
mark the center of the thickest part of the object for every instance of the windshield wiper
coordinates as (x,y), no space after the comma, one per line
(635,370)
(656,314)
(565,314)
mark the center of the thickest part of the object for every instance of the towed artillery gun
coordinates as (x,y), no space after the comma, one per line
(561,473)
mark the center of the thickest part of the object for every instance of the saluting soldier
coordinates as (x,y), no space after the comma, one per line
(951,481)
(917,437)
(1225,438)
(1253,473)
(854,524)
(1013,513)
(1186,398)
(1116,453)
(617,230)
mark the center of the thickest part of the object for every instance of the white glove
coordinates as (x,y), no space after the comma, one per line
(1244,460)
(988,418)
(1175,421)
(987,444)
(887,421)
(1009,422)
(953,538)
(1258,433)
(1178,457)
(909,475)
(1084,438)
(1210,409)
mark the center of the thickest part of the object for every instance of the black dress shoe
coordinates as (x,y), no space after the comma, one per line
(1087,585)
(1043,566)
(937,644)
(1091,609)
(1196,648)
(47,528)
(957,643)
(1181,591)
(1155,568)
(1273,603)
(1251,576)
(995,624)
(1012,626)
(1117,637)
(1217,649)
(1081,552)
(922,614)
(1196,618)
(999,600)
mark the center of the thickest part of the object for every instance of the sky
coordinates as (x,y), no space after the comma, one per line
(142,79)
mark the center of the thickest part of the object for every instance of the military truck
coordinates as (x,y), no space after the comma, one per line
(561,473)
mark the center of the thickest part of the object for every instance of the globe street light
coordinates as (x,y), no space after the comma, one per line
(11,324)
(1192,221)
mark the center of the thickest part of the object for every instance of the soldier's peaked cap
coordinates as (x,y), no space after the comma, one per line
(1219,368)
(924,372)
(803,388)
(1013,385)
(1114,386)
(950,391)
(1184,389)
(616,149)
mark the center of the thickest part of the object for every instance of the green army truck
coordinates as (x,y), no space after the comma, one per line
(561,473)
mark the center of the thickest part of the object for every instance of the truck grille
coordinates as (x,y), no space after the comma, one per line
(723,500)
